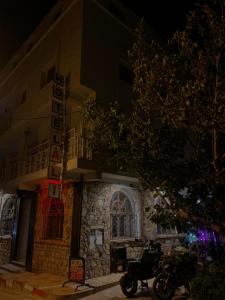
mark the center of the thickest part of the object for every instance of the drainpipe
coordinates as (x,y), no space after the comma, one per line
(76,218)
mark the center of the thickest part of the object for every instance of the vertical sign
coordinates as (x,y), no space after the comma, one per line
(55,166)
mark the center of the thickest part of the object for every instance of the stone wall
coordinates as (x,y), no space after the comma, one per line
(150,229)
(96,218)
(95,213)
(5,249)
(52,256)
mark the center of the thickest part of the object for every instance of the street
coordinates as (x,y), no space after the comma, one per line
(114,293)
(6,294)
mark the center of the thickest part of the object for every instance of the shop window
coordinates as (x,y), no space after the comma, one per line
(7,217)
(53,218)
(121,216)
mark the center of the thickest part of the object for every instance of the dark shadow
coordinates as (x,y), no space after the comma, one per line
(145,292)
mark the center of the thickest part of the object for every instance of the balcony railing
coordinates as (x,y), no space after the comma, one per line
(37,157)
(77,146)
(36,160)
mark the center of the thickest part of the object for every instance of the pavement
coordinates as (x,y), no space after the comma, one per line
(49,286)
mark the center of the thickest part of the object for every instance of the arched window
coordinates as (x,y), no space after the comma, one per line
(121,216)
(7,216)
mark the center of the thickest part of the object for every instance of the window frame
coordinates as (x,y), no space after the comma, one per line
(124,215)
(7,219)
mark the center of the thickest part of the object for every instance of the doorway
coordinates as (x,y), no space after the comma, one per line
(118,258)
(23,233)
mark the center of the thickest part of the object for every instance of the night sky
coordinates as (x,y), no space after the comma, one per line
(18,18)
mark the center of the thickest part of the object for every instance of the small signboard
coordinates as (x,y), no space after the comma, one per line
(57,92)
(56,137)
(54,172)
(57,122)
(54,190)
(57,107)
(56,153)
(77,270)
(59,79)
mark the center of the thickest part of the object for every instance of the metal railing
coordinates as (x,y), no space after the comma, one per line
(77,146)
(37,157)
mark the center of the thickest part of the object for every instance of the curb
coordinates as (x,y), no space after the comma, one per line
(83,293)
(48,291)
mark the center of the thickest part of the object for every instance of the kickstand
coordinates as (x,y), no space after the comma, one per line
(79,285)
(144,285)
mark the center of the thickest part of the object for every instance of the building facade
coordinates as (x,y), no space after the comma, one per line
(55,204)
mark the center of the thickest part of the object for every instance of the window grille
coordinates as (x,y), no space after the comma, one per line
(170,230)
(53,218)
(122,218)
(7,217)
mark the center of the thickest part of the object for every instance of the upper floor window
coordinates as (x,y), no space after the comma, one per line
(21,98)
(47,76)
(121,216)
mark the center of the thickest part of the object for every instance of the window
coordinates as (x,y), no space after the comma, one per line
(126,74)
(47,76)
(7,217)
(121,216)
(53,218)
(21,98)
(50,74)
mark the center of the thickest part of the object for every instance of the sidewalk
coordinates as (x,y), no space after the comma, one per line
(48,286)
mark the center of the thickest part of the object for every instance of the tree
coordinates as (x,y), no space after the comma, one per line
(173,135)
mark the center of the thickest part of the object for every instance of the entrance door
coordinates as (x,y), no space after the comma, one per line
(24,229)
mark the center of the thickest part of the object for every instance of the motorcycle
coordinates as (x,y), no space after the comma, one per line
(141,269)
(177,271)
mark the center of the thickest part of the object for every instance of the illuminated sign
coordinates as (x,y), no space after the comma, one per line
(54,190)
(54,172)
(56,153)
(55,168)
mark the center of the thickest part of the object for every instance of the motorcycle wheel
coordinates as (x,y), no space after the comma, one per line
(163,288)
(128,286)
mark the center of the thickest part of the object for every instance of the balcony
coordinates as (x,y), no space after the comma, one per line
(15,171)
(79,156)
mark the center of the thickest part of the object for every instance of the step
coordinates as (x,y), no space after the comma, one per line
(12,268)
